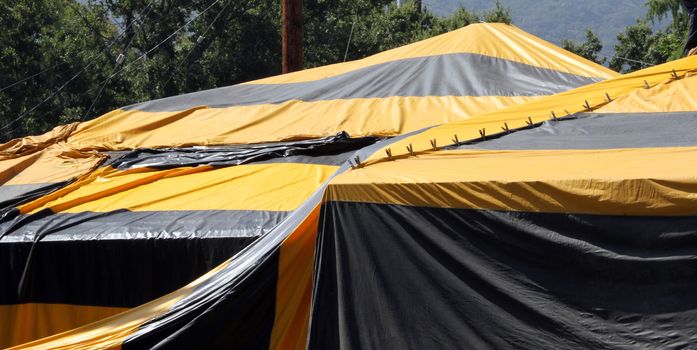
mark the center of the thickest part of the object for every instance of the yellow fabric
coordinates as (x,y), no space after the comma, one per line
(572,101)
(265,186)
(30,144)
(489,39)
(26,322)
(56,163)
(111,332)
(275,187)
(670,96)
(294,286)
(290,120)
(646,181)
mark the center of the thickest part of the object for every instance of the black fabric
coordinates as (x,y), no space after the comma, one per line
(398,277)
(119,258)
(600,131)
(118,273)
(332,150)
(198,320)
(238,315)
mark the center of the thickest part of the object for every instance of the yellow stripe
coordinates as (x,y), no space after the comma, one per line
(489,39)
(540,110)
(294,286)
(610,182)
(670,96)
(53,164)
(26,322)
(26,145)
(275,187)
(292,120)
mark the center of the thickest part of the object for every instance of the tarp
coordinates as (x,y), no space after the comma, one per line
(577,231)
(575,234)
(232,180)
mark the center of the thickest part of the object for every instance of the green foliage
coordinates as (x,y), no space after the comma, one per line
(53,36)
(660,9)
(224,43)
(377,26)
(639,46)
(588,49)
(499,14)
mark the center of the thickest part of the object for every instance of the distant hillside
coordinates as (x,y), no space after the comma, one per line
(555,20)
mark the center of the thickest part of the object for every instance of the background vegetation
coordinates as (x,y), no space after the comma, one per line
(70,60)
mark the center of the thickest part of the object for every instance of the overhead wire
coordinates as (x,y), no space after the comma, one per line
(645,64)
(21,116)
(116,39)
(348,43)
(198,41)
(91,59)
(102,86)
(165,40)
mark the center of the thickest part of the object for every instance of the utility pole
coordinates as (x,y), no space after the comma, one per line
(292,35)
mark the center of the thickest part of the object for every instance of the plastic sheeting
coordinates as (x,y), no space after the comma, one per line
(148,223)
(410,277)
(473,70)
(584,99)
(601,131)
(527,243)
(162,183)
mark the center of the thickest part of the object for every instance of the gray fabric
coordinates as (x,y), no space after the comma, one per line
(602,131)
(124,224)
(207,299)
(8,192)
(463,74)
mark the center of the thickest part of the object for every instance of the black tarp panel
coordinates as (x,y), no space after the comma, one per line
(398,277)
(235,317)
(331,150)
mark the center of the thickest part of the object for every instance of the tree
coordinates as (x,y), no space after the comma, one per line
(589,49)
(51,53)
(639,46)
(84,58)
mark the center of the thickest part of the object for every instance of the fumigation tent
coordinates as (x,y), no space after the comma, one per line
(481,187)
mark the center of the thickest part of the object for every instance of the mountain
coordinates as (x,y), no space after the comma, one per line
(555,20)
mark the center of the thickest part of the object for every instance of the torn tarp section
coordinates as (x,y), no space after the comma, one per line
(332,150)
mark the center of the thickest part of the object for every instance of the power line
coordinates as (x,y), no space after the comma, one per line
(118,62)
(6,126)
(83,51)
(32,76)
(628,59)
(56,92)
(198,41)
(163,41)
(350,36)
(21,116)
(105,81)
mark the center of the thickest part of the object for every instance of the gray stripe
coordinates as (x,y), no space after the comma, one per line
(463,74)
(602,131)
(124,224)
(8,192)
(243,264)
